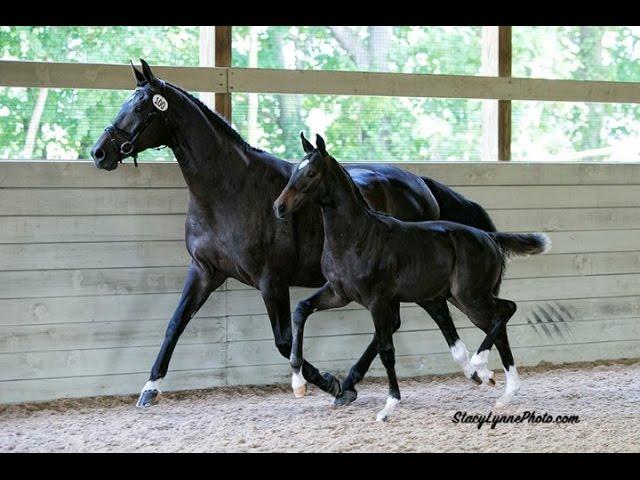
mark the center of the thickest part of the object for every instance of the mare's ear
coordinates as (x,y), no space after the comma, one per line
(138,74)
(306,144)
(148,74)
(321,145)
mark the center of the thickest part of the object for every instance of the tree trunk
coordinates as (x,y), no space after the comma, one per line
(34,124)
(289,117)
(252,100)
(590,55)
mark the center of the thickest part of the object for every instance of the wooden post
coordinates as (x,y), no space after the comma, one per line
(207,58)
(223,59)
(504,106)
(496,61)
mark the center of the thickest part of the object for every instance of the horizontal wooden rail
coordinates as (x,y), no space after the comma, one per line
(105,76)
(260,80)
(421,85)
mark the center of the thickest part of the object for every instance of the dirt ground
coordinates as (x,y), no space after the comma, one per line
(605,396)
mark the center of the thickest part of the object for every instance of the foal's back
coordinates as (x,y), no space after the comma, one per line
(427,260)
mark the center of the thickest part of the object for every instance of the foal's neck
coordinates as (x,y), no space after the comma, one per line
(345,213)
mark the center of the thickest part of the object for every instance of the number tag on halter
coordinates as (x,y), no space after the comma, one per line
(160,102)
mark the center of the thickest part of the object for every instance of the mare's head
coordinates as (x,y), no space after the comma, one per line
(140,124)
(307,180)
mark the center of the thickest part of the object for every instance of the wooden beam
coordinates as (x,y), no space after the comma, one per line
(504,106)
(223,59)
(263,80)
(105,76)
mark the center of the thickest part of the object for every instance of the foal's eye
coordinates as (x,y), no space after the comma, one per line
(311,173)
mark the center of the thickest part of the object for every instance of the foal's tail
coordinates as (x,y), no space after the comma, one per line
(518,244)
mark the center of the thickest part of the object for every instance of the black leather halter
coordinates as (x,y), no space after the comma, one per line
(128,146)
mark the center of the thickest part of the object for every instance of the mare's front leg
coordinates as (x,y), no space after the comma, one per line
(197,288)
(323,299)
(275,294)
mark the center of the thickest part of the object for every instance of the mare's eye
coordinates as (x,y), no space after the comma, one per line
(311,174)
(138,107)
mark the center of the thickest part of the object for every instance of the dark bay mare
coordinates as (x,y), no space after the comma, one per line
(379,261)
(231,231)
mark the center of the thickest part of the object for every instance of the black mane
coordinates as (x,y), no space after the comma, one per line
(216,120)
(358,192)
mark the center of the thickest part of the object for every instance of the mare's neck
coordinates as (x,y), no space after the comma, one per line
(213,164)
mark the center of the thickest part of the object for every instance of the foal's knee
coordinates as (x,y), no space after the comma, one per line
(303,310)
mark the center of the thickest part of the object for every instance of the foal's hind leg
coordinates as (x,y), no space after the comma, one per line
(439,311)
(323,299)
(510,371)
(501,312)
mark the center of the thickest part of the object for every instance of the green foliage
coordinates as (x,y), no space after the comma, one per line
(356,128)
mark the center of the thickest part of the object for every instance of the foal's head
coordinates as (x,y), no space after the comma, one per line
(306,182)
(139,125)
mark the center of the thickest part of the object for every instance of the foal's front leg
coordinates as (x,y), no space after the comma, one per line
(361,367)
(383,321)
(323,299)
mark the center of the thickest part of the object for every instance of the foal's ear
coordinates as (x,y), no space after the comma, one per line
(146,71)
(320,145)
(306,144)
(137,73)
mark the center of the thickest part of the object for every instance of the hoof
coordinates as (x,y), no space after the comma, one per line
(382,417)
(147,398)
(334,384)
(345,398)
(385,413)
(491,381)
(300,391)
(475,378)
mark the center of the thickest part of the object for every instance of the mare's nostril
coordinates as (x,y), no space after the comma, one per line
(281,209)
(98,154)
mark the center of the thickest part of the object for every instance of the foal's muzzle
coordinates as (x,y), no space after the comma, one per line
(280,209)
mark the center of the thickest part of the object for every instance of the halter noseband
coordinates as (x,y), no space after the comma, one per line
(128,147)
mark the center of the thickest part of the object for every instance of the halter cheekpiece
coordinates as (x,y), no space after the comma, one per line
(128,147)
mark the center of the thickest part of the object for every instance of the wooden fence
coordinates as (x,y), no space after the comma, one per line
(92,265)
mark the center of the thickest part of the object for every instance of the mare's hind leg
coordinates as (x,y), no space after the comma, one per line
(510,371)
(275,294)
(323,299)
(360,368)
(439,311)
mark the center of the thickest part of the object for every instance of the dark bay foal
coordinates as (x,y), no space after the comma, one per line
(379,261)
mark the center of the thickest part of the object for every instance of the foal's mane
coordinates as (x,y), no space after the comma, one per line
(357,191)
(216,120)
